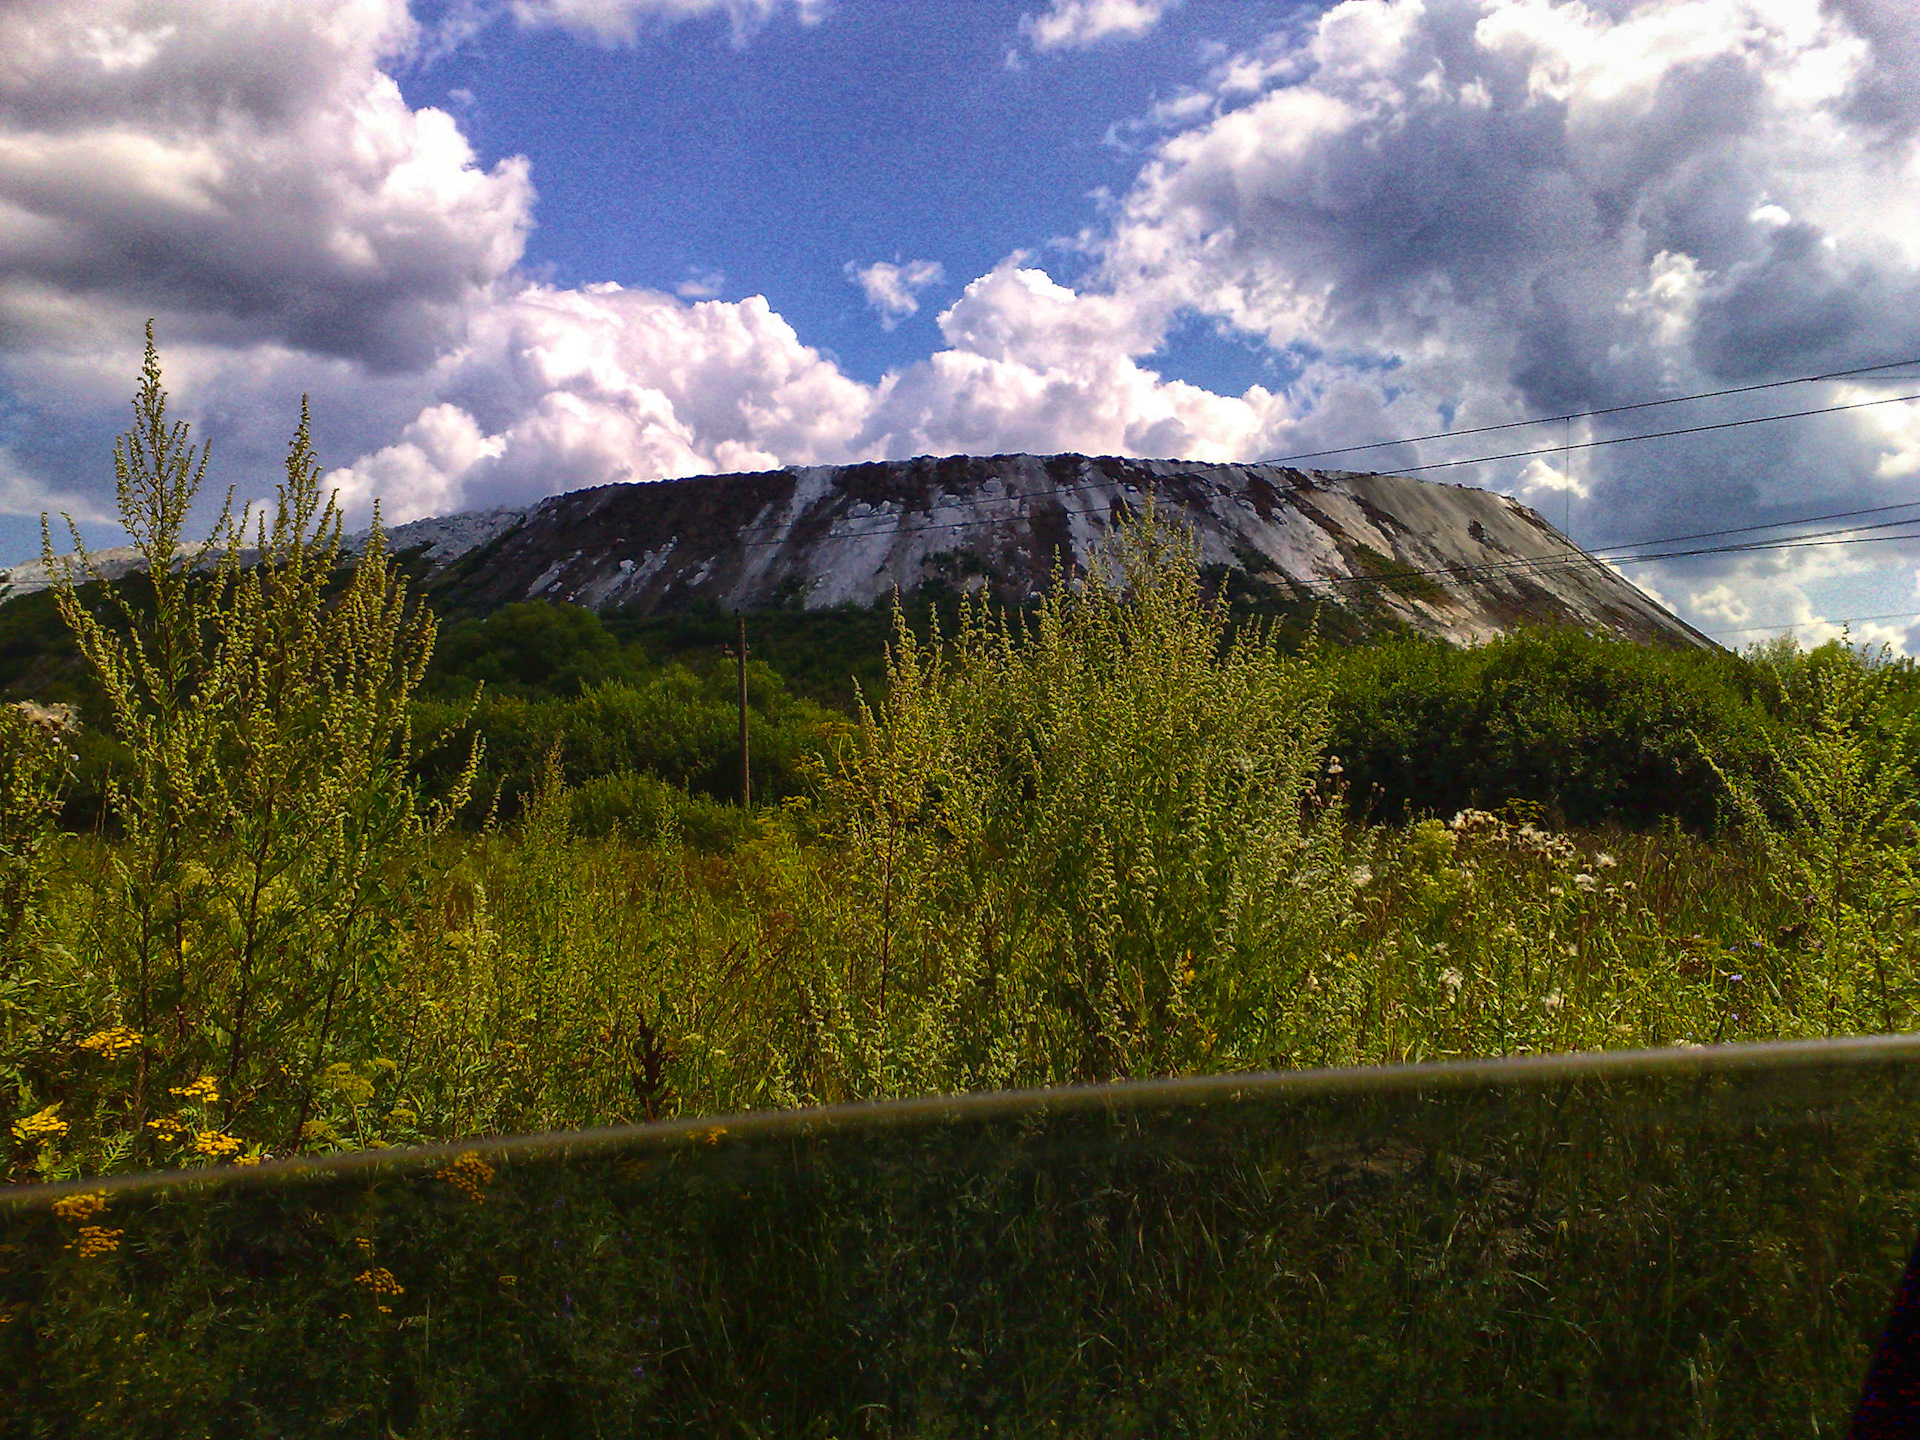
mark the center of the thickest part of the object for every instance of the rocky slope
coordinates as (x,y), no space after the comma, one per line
(1446,560)
(1453,561)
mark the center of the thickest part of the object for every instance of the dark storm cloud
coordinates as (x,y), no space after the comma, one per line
(243,169)
(1507,207)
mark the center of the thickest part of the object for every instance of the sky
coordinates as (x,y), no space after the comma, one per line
(511,248)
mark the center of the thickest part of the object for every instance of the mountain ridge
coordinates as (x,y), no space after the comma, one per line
(1380,551)
(1457,562)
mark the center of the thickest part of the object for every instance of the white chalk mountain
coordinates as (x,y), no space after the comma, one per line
(1367,551)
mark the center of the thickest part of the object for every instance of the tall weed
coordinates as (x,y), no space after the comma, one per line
(1083,847)
(268,826)
(1838,831)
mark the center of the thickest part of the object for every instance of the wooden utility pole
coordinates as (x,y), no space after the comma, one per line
(746,775)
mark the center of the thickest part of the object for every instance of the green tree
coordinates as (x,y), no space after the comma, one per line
(36,999)
(533,648)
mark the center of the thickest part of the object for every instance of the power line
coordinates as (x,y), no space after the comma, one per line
(1584,414)
(1021,498)
(1533,564)
(1447,464)
(1809,624)
(1770,525)
(1573,556)
(1611,554)
(1787,542)
(1654,435)
(1488,459)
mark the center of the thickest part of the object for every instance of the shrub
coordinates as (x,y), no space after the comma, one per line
(638,806)
(1085,847)
(1600,731)
(531,649)
(674,723)
(1838,829)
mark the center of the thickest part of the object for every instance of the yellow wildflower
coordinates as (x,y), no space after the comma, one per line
(379,1281)
(111,1044)
(346,1082)
(248,1159)
(97,1240)
(206,1089)
(43,1127)
(81,1207)
(168,1128)
(468,1174)
(216,1144)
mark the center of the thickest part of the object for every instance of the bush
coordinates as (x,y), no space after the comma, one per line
(679,725)
(1075,849)
(531,649)
(245,925)
(643,807)
(1599,731)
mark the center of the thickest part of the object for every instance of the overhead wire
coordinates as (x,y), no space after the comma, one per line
(1653,435)
(1588,414)
(1489,459)
(1768,525)
(1572,557)
(1614,553)
(1809,624)
(1577,557)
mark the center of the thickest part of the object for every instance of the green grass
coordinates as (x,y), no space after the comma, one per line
(1665,1250)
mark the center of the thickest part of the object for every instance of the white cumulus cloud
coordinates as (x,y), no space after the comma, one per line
(893,289)
(561,389)
(1033,365)
(1482,210)
(622,22)
(1076,24)
(245,170)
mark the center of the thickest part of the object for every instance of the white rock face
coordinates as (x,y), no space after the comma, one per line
(1446,560)
(34,575)
(447,538)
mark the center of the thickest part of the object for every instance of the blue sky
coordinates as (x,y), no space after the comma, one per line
(884,132)
(516,247)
